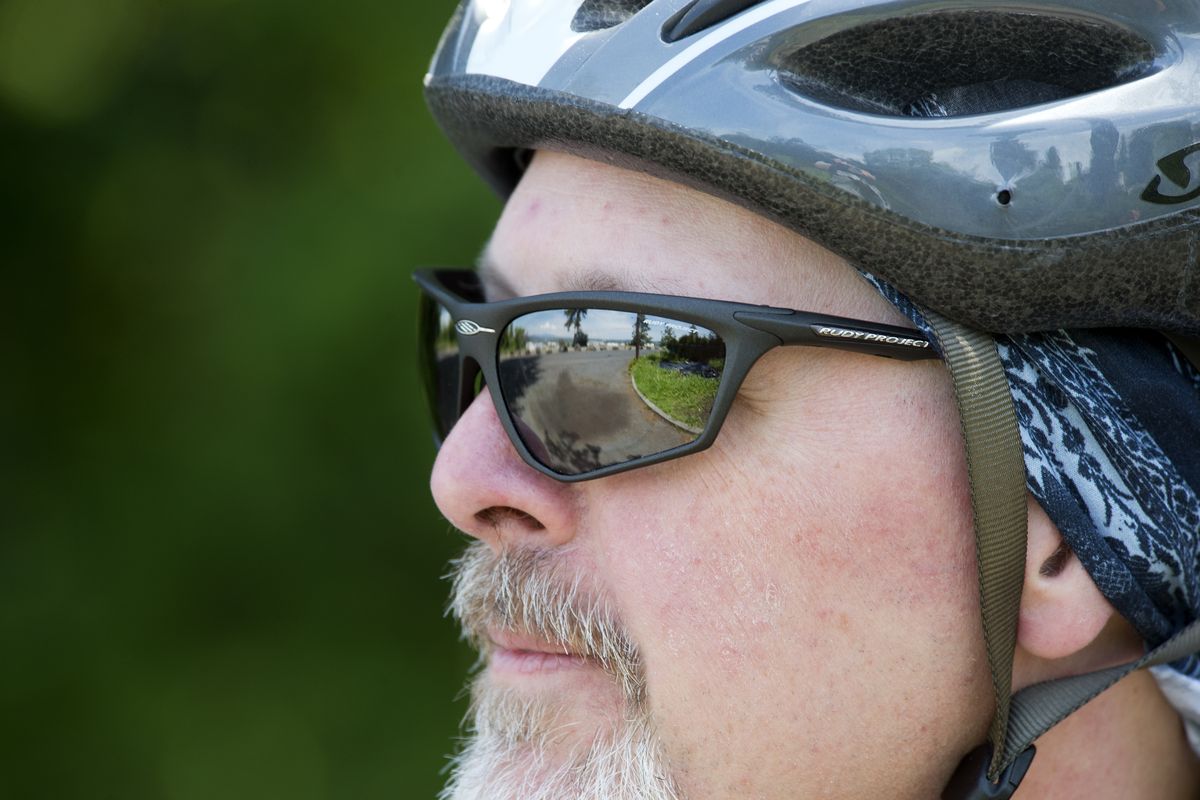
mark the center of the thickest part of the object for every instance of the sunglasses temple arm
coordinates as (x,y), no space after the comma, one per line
(871,338)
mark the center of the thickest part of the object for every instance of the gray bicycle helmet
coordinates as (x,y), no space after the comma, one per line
(1030,167)
(1051,140)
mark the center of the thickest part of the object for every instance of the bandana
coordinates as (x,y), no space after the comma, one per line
(1110,428)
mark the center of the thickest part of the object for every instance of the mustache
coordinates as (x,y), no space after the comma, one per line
(526,591)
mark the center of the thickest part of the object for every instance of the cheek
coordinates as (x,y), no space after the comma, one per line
(765,585)
(705,598)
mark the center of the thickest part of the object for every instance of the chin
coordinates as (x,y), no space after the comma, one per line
(565,739)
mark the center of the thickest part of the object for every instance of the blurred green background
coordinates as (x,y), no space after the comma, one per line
(219,562)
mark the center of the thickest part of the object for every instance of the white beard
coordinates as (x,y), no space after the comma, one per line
(516,751)
(518,747)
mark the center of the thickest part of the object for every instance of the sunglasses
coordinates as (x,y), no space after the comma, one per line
(588,384)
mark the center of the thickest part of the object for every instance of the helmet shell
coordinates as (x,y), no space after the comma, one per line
(1075,203)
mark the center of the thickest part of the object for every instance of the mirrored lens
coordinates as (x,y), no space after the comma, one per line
(589,387)
(439,364)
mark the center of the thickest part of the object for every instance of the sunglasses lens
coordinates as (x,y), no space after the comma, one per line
(439,365)
(588,388)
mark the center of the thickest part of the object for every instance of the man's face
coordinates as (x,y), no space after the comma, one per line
(791,613)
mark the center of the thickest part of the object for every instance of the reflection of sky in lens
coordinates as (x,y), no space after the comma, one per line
(600,325)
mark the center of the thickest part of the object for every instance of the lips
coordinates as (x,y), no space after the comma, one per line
(525,654)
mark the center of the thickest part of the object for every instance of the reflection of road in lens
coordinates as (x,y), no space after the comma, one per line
(582,407)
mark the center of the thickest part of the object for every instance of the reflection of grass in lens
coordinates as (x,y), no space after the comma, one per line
(685,398)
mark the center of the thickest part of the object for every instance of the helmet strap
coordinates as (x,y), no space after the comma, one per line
(996,471)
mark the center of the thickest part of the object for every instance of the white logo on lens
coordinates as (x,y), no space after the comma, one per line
(469,328)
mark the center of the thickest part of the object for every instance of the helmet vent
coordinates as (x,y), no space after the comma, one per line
(955,63)
(596,15)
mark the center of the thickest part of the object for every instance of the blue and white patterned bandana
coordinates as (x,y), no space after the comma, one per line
(1110,426)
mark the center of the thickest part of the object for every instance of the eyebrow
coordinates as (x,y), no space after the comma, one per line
(590,279)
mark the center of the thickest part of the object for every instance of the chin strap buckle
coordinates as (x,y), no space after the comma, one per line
(970,780)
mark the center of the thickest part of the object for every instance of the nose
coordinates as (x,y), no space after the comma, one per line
(484,488)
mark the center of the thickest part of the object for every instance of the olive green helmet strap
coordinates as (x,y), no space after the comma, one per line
(996,469)
(1038,708)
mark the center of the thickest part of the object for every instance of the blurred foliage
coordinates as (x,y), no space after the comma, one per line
(219,562)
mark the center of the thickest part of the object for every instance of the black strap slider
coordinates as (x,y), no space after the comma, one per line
(970,780)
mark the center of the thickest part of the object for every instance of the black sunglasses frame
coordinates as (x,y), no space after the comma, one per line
(748,331)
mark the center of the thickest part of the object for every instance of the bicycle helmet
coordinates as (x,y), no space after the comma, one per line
(1056,188)
(1031,167)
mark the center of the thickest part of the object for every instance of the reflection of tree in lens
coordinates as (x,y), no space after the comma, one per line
(575,317)
(694,346)
(668,340)
(513,341)
(641,335)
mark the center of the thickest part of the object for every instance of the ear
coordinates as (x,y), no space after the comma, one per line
(1062,611)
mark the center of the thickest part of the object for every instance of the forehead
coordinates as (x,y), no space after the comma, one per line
(574,225)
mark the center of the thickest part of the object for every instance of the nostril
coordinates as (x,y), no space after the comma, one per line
(496,516)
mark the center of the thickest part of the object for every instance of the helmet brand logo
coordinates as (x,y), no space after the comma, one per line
(469,327)
(1177,172)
